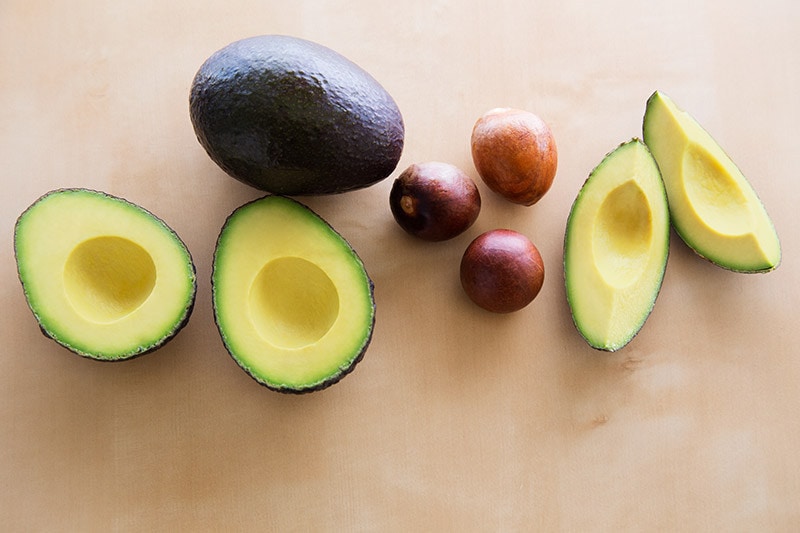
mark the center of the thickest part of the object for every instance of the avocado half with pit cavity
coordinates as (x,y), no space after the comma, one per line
(104,277)
(616,247)
(293,117)
(292,300)
(713,207)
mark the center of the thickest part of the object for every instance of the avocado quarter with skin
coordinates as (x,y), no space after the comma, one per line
(713,207)
(292,117)
(292,300)
(616,247)
(104,277)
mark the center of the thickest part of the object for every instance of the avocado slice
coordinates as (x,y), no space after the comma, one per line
(104,277)
(616,247)
(713,207)
(292,301)
(293,117)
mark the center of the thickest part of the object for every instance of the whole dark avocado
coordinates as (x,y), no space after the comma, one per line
(293,117)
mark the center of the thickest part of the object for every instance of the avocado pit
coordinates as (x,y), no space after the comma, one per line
(502,271)
(515,154)
(434,201)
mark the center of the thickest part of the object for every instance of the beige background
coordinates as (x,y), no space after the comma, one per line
(456,419)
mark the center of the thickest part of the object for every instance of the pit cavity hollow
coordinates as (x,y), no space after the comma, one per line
(623,233)
(107,278)
(292,302)
(714,194)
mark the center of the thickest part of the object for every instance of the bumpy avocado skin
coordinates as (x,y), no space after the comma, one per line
(292,117)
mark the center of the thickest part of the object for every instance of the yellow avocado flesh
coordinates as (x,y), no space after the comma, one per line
(292,300)
(616,247)
(104,277)
(713,207)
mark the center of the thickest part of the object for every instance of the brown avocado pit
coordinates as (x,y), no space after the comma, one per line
(515,154)
(502,271)
(434,201)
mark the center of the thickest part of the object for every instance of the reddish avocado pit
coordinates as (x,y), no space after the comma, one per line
(515,154)
(434,201)
(502,271)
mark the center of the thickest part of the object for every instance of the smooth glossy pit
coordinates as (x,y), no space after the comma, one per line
(714,193)
(107,278)
(623,232)
(293,302)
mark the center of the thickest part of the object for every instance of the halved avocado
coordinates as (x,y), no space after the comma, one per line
(292,300)
(616,247)
(714,208)
(104,277)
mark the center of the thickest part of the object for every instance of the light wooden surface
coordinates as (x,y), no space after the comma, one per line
(456,419)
